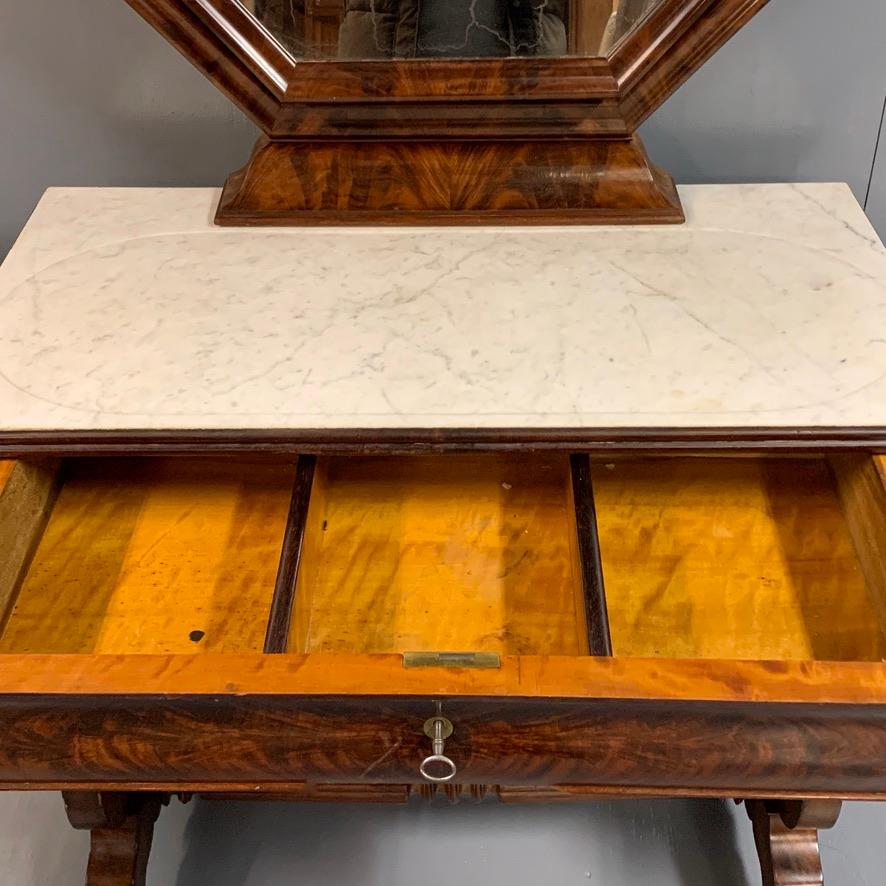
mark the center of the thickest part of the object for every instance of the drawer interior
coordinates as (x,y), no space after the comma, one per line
(743,558)
(440,553)
(767,558)
(151,555)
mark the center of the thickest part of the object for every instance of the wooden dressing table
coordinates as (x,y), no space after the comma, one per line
(574,512)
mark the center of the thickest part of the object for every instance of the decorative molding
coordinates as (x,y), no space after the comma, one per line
(587,109)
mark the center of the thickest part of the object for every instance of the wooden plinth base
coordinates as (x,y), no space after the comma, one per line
(414,183)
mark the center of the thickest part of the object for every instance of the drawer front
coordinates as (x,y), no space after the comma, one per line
(205,743)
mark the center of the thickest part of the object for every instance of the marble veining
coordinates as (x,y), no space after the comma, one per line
(127,309)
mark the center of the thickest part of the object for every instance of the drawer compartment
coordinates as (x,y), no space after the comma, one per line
(744,558)
(440,553)
(150,556)
(707,557)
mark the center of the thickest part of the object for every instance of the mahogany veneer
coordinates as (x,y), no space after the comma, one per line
(511,140)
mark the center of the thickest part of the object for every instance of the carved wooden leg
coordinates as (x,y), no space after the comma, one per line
(122,826)
(786,834)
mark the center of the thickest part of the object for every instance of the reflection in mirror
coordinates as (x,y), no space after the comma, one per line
(374,29)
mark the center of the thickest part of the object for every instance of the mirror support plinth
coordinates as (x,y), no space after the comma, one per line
(593,181)
(395,138)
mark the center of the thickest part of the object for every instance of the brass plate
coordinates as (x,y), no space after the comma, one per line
(451,660)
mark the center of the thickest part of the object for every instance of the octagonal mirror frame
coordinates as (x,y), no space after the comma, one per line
(448,141)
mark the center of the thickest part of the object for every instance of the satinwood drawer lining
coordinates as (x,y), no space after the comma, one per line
(479,553)
(143,555)
(703,557)
(744,558)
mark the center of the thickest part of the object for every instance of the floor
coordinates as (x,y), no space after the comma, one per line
(666,843)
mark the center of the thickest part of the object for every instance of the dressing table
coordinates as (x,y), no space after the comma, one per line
(608,502)
(359,480)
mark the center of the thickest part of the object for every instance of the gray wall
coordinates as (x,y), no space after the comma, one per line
(620,843)
(876,203)
(90,96)
(796,96)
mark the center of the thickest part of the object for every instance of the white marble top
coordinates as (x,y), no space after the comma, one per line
(127,309)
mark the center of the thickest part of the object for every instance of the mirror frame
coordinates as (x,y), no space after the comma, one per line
(514,140)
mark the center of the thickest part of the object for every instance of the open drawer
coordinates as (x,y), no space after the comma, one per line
(636,622)
(143,555)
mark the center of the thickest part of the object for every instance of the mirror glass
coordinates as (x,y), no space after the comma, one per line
(378,29)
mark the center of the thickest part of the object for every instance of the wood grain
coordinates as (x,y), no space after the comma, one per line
(120,842)
(155,556)
(446,82)
(95,809)
(27,494)
(737,749)
(519,677)
(310,792)
(578,793)
(277,634)
(463,182)
(310,562)
(6,468)
(469,119)
(246,42)
(246,62)
(861,481)
(202,43)
(456,128)
(669,46)
(394,441)
(371,793)
(731,558)
(786,835)
(586,554)
(455,553)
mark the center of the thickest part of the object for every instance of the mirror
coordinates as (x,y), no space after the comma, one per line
(379,29)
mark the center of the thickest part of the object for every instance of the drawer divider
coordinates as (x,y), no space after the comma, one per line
(588,550)
(283,602)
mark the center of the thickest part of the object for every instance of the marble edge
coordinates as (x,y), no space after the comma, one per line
(487,423)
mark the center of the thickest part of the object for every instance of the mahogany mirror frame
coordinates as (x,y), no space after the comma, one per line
(511,140)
